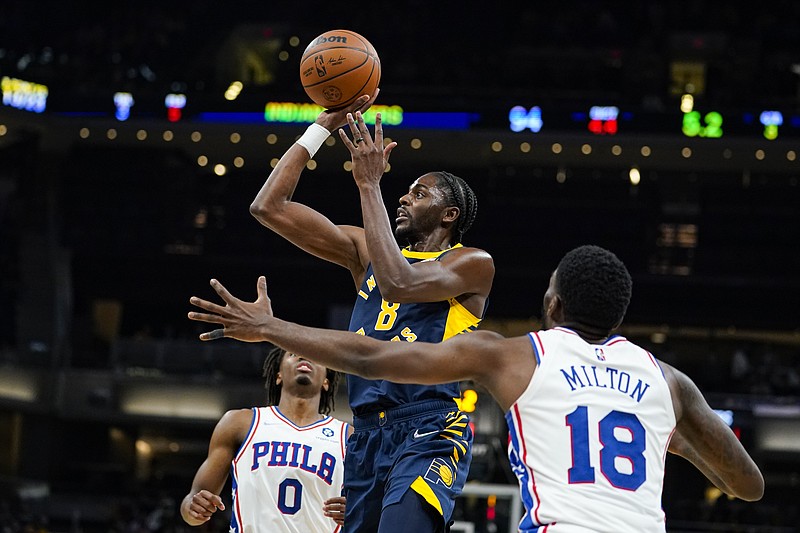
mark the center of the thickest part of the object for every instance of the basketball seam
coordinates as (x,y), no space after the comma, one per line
(366,52)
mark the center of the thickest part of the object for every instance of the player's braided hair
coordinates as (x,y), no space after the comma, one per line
(272,365)
(595,287)
(459,194)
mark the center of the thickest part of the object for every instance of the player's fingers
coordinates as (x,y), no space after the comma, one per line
(336,499)
(200,515)
(371,100)
(387,151)
(378,129)
(223,292)
(208,318)
(363,130)
(217,501)
(212,335)
(261,288)
(353,127)
(205,503)
(346,140)
(362,101)
(211,307)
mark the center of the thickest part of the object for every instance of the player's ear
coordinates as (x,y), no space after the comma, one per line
(450,214)
(555,309)
(278,379)
(326,385)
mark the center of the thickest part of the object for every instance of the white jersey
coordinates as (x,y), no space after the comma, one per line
(283,473)
(588,437)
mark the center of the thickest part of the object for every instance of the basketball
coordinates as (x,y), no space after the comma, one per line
(338,67)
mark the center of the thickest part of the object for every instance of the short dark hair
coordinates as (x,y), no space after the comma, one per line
(458,193)
(272,365)
(594,286)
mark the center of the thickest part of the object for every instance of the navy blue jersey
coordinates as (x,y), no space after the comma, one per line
(409,322)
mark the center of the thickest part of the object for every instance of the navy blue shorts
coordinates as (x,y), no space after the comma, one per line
(424,446)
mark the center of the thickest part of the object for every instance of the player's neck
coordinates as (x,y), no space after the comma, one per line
(590,334)
(301,411)
(433,242)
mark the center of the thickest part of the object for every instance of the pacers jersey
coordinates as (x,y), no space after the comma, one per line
(589,436)
(407,322)
(283,473)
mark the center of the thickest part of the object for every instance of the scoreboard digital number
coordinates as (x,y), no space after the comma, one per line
(691,122)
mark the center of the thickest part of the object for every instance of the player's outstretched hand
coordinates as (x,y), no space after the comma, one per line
(333,119)
(369,155)
(240,320)
(204,504)
(334,509)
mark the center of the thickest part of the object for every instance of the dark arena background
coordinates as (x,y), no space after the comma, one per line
(134,135)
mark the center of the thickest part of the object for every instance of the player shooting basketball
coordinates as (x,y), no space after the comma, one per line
(432,289)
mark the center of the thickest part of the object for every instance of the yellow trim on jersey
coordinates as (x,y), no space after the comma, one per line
(459,319)
(426,255)
(456,441)
(421,487)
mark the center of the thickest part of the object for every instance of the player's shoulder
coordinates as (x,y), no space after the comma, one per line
(470,251)
(487,340)
(348,426)
(238,417)
(234,424)
(469,254)
(483,335)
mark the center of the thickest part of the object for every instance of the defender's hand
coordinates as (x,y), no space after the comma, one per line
(240,320)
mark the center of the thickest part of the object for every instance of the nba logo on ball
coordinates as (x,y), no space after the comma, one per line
(338,67)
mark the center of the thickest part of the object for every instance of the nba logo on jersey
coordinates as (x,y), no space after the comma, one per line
(600,355)
(440,472)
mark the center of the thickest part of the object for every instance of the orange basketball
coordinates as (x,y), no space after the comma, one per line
(338,67)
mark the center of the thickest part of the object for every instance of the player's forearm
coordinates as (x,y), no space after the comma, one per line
(343,351)
(739,473)
(724,461)
(390,267)
(277,191)
(681,447)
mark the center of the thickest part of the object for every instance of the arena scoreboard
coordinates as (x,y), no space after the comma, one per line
(684,116)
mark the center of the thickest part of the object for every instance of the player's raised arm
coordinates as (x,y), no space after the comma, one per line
(308,229)
(433,215)
(702,438)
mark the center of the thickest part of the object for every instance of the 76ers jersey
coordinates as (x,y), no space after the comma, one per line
(283,473)
(589,436)
(407,322)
